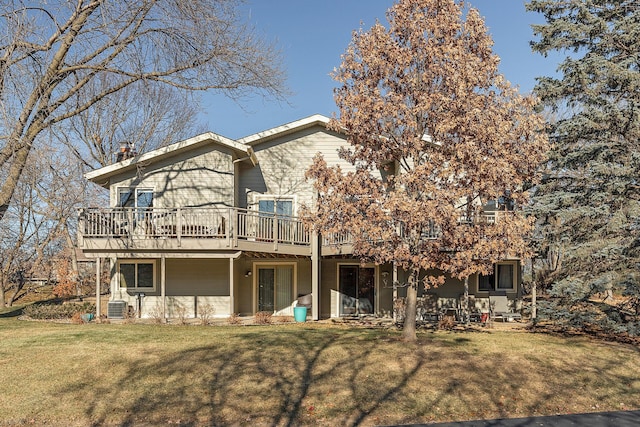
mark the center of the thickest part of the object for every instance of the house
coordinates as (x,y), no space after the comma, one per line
(210,223)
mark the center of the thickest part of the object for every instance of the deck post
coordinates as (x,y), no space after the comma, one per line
(274,231)
(231,280)
(163,286)
(98,302)
(229,226)
(315,277)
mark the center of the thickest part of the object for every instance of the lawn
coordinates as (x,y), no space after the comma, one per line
(300,374)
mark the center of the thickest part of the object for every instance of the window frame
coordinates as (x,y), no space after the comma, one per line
(275,199)
(135,191)
(256,266)
(376,283)
(496,278)
(136,263)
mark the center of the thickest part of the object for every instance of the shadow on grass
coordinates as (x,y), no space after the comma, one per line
(11,312)
(320,376)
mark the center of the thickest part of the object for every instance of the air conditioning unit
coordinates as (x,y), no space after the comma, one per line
(117,309)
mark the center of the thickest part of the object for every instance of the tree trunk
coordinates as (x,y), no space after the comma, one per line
(534,306)
(19,286)
(2,285)
(75,274)
(409,328)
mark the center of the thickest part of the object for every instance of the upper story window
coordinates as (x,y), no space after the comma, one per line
(276,205)
(135,198)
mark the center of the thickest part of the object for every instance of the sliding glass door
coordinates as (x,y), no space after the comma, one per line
(357,290)
(276,289)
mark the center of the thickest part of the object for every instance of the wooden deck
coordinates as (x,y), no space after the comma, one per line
(192,230)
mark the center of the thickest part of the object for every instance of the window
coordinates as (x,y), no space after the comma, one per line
(503,278)
(136,274)
(278,206)
(135,198)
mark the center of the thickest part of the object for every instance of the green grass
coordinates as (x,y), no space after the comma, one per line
(299,374)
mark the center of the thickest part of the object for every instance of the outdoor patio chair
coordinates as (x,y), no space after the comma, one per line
(499,309)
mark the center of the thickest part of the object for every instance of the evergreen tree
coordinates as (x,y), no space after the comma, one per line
(589,202)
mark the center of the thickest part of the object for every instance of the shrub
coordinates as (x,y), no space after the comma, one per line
(57,310)
(447,322)
(156,313)
(130,315)
(206,312)
(282,319)
(263,317)
(234,319)
(77,319)
(181,312)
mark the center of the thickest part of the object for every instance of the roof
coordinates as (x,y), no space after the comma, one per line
(243,147)
(99,175)
(266,135)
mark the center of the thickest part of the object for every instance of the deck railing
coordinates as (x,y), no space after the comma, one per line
(433,232)
(232,224)
(214,223)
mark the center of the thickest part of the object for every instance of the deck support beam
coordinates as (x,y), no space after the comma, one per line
(231,280)
(315,277)
(98,300)
(163,286)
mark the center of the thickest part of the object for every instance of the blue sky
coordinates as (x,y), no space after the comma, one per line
(312,34)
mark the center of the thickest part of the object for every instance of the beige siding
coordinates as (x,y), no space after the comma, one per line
(197,277)
(200,177)
(283,163)
(243,286)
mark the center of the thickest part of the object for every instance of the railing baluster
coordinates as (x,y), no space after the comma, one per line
(179,226)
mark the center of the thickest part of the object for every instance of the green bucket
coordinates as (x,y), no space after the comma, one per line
(300,314)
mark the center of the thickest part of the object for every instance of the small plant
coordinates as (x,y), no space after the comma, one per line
(103,320)
(206,312)
(76,319)
(263,318)
(157,314)
(447,323)
(130,315)
(181,313)
(234,319)
(282,319)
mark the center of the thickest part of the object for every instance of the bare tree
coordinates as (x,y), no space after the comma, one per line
(436,133)
(39,224)
(59,59)
(148,116)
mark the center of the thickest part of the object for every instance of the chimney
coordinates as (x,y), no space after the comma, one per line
(127,151)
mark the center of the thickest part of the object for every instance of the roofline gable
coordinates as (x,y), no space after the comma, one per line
(169,150)
(266,135)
